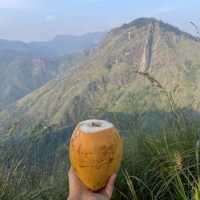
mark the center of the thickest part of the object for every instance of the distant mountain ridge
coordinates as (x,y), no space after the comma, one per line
(61,45)
(66,44)
(117,77)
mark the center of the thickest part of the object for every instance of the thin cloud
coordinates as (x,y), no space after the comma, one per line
(15,4)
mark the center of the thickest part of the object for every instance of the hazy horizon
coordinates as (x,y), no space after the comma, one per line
(42,20)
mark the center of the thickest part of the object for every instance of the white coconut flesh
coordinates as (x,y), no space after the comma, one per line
(94,125)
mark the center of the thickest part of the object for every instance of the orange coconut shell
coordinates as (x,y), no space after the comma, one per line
(95,157)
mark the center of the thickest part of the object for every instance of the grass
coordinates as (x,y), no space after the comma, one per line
(164,165)
(161,166)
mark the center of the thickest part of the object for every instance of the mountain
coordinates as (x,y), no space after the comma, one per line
(140,68)
(25,67)
(21,74)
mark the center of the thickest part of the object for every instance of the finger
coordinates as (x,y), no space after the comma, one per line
(73,179)
(71,175)
(110,185)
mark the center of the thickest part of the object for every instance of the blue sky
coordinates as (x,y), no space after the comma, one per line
(43,19)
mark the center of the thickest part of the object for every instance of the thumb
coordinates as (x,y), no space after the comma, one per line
(110,186)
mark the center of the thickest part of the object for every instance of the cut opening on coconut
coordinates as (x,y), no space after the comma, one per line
(94,125)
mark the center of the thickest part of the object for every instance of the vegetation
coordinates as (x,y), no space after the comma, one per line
(162,165)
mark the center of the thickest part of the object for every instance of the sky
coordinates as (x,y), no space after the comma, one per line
(33,20)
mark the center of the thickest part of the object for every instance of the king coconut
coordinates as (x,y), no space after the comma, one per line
(95,152)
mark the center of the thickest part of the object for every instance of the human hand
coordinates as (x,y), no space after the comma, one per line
(78,191)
